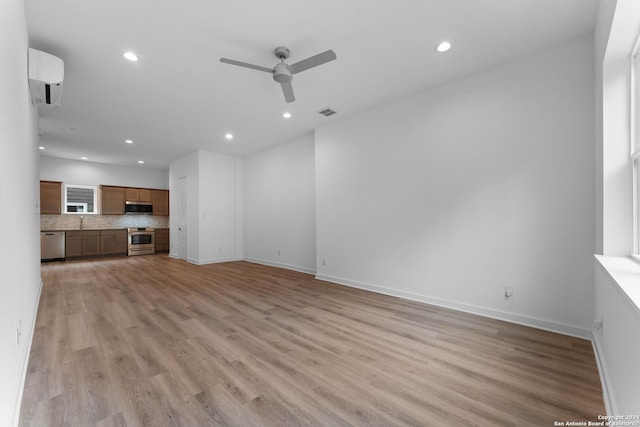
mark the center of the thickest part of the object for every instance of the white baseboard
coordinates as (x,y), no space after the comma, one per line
(281,265)
(25,362)
(210,261)
(607,393)
(467,308)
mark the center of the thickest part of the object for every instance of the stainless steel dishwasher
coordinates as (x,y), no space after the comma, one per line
(52,245)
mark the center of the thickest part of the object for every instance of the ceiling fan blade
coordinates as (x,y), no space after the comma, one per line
(287,89)
(244,64)
(313,61)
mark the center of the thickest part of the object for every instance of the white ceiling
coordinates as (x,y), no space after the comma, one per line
(179,98)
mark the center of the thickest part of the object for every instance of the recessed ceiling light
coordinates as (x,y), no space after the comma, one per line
(41,148)
(141,162)
(128,141)
(130,56)
(84,158)
(444,46)
(286,115)
(229,136)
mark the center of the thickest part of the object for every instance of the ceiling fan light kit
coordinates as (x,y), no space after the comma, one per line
(283,72)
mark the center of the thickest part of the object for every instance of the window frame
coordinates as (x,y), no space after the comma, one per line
(634,146)
(65,202)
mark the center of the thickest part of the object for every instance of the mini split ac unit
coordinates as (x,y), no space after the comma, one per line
(46,73)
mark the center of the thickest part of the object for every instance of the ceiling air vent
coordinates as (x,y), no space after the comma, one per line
(327,112)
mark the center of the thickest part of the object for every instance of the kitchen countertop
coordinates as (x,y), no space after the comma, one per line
(97,229)
(84,229)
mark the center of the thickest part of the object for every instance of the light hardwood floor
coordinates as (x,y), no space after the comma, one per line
(152,341)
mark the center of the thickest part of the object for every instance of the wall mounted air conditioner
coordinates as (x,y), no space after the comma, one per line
(46,73)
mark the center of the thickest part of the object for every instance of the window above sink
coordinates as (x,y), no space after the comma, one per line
(80,199)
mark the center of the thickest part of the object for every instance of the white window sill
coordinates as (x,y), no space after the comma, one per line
(625,271)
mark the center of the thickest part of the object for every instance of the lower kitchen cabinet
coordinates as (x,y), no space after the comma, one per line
(73,244)
(91,243)
(113,242)
(162,240)
(81,243)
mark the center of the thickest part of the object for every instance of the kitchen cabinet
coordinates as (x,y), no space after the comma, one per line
(160,202)
(113,200)
(82,243)
(50,197)
(162,240)
(91,243)
(138,195)
(73,244)
(113,242)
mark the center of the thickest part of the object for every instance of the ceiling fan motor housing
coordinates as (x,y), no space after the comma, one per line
(282,73)
(281,52)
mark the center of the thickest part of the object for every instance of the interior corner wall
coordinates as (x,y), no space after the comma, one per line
(239,209)
(280,206)
(217,207)
(20,281)
(449,195)
(213,192)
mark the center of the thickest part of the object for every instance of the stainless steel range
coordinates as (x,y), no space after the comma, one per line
(142,241)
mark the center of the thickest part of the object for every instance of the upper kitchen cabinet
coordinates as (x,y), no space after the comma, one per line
(160,202)
(50,197)
(138,195)
(113,200)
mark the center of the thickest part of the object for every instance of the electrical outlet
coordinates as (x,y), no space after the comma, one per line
(278,252)
(324,261)
(508,291)
(598,324)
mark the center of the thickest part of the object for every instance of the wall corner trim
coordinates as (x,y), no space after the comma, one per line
(607,392)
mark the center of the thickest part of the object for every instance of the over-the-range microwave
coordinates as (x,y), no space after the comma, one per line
(138,208)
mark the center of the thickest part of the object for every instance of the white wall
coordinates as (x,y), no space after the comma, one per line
(19,198)
(214,225)
(280,206)
(217,208)
(449,195)
(89,173)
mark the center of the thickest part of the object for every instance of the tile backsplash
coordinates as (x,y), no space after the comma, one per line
(97,222)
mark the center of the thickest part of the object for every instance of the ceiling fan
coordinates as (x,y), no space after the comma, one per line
(283,72)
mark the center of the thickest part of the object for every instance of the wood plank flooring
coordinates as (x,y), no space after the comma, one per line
(153,341)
